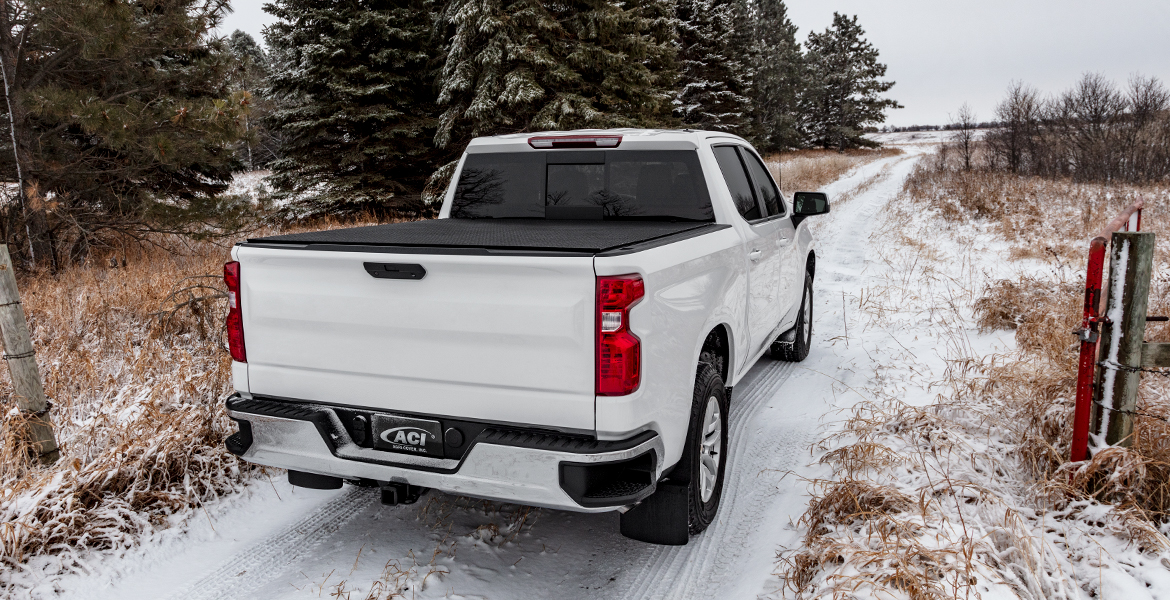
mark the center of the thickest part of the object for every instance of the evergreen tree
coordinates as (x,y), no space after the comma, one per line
(528,65)
(779,72)
(250,76)
(122,120)
(715,41)
(843,92)
(356,107)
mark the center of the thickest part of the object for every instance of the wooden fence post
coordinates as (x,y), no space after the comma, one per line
(22,365)
(1131,260)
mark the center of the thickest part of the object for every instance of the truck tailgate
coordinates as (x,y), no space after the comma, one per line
(488,337)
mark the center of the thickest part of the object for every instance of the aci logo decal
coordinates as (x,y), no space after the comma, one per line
(406,436)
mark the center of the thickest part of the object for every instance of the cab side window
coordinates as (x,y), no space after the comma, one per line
(764,184)
(737,182)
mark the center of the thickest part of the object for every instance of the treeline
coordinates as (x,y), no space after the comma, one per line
(1094,131)
(124,118)
(947,127)
(376,99)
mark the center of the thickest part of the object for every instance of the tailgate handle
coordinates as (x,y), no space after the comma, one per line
(395,270)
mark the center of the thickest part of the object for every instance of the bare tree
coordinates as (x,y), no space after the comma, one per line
(1094,131)
(965,124)
(1013,145)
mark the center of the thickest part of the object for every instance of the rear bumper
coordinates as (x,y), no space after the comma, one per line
(505,464)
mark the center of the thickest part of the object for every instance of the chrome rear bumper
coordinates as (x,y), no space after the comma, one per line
(510,465)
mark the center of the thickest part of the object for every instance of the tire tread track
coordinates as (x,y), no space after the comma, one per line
(741,502)
(702,568)
(264,561)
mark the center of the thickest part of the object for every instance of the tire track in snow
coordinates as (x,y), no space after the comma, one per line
(677,571)
(250,569)
(708,566)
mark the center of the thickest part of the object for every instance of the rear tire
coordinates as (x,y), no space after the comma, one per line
(685,503)
(793,345)
(704,459)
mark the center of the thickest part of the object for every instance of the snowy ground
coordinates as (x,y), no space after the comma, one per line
(902,138)
(249,183)
(275,541)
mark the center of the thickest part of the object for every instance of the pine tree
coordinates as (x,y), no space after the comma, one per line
(122,119)
(843,93)
(356,107)
(778,64)
(716,66)
(528,65)
(250,76)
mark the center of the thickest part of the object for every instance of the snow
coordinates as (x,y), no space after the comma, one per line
(460,547)
(892,320)
(249,183)
(1114,314)
(902,138)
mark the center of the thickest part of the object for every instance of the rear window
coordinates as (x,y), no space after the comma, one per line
(652,185)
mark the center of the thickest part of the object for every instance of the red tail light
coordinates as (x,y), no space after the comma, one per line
(235,318)
(619,352)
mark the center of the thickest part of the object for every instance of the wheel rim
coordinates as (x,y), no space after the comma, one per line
(807,315)
(710,446)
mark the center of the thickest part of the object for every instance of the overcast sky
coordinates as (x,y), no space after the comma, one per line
(942,53)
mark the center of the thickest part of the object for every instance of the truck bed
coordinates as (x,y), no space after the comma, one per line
(592,237)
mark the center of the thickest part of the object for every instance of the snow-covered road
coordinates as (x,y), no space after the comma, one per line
(275,541)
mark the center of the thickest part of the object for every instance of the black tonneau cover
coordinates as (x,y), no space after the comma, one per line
(505,234)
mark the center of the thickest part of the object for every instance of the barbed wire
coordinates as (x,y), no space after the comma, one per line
(1136,413)
(1121,367)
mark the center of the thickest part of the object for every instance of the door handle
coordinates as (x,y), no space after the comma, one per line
(754,255)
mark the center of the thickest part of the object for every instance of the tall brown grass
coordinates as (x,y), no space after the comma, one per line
(811,170)
(939,501)
(1051,221)
(135,406)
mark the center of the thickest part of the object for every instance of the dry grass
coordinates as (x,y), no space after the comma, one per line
(136,405)
(973,491)
(811,170)
(397,580)
(131,351)
(1051,222)
(874,531)
(1041,218)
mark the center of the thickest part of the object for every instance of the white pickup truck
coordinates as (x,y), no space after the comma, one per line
(566,334)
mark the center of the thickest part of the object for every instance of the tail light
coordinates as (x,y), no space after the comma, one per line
(619,352)
(235,318)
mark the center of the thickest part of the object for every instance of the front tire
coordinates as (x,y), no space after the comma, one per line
(793,345)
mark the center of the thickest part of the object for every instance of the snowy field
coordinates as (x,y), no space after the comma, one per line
(892,318)
(901,138)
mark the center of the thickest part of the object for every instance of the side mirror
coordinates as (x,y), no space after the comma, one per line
(808,204)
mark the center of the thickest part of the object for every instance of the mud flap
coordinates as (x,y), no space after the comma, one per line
(314,481)
(662,518)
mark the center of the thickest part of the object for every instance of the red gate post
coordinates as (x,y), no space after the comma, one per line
(1088,335)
